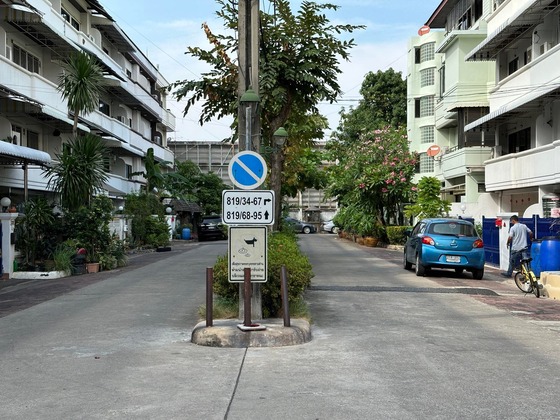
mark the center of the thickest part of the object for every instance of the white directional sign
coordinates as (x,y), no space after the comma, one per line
(247,249)
(248,207)
(247,170)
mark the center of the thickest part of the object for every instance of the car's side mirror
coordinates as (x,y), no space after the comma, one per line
(408,232)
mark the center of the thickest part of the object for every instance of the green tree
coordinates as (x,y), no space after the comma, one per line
(79,170)
(89,227)
(33,229)
(148,220)
(428,202)
(81,83)
(374,175)
(299,65)
(383,103)
(197,187)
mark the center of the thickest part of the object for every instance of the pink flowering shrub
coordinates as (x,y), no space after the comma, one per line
(373,175)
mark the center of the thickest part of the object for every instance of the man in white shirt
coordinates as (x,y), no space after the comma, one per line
(517,241)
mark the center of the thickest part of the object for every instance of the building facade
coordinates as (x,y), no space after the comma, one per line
(496,114)
(35,37)
(445,94)
(523,125)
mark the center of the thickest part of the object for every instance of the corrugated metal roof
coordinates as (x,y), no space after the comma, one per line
(14,154)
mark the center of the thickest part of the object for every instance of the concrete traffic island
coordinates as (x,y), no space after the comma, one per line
(225,333)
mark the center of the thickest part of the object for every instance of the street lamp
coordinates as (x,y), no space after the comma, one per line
(250,98)
(280,137)
(5,202)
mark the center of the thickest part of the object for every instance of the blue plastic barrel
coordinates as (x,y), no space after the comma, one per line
(186,233)
(550,253)
(536,256)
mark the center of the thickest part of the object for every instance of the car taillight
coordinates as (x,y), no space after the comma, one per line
(428,241)
(478,244)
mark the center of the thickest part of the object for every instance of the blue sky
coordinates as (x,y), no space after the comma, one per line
(163,30)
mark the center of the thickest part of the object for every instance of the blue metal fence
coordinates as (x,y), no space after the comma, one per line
(491,239)
(541,227)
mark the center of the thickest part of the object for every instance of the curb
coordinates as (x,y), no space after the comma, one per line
(225,333)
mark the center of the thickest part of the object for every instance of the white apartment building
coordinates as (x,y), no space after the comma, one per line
(444,95)
(523,124)
(495,112)
(35,37)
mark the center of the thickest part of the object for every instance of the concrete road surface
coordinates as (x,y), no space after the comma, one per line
(386,345)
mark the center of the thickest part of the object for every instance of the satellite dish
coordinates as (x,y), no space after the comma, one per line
(433,150)
(424,30)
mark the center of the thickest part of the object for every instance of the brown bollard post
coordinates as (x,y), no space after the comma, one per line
(285,299)
(247,309)
(209,296)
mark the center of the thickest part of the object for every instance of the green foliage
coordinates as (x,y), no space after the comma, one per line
(197,187)
(299,65)
(383,103)
(33,229)
(79,171)
(62,258)
(300,56)
(156,179)
(282,250)
(304,171)
(81,84)
(149,227)
(372,176)
(89,226)
(354,219)
(396,234)
(428,202)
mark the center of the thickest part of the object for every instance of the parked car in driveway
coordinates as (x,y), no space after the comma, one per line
(299,226)
(329,226)
(211,227)
(444,243)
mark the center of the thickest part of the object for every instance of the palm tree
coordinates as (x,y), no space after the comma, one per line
(79,171)
(81,83)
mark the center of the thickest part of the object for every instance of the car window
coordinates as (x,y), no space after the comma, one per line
(452,228)
(419,228)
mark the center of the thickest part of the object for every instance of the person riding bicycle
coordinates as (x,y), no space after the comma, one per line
(517,241)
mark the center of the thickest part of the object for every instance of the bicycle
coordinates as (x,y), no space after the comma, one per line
(526,280)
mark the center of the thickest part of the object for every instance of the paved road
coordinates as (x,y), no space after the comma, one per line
(386,344)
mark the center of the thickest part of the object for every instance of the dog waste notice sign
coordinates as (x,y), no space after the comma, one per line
(247,249)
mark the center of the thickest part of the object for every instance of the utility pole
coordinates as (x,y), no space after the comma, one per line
(248,33)
(249,127)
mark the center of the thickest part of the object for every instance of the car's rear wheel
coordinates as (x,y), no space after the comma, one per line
(420,269)
(406,264)
(478,274)
(306,229)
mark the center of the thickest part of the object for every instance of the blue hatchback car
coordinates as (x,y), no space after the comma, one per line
(444,243)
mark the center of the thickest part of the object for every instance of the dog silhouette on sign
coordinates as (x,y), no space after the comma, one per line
(251,241)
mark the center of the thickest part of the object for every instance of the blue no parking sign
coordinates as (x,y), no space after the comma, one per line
(247,170)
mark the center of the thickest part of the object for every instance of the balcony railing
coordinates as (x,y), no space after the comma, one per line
(458,162)
(530,168)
